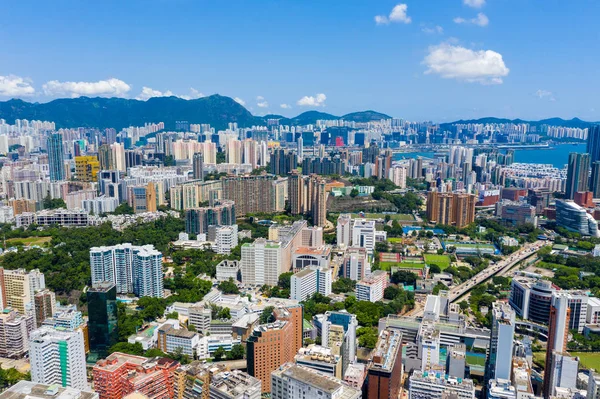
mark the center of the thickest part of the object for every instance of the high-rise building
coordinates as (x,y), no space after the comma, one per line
(197,220)
(593,391)
(319,206)
(595,180)
(501,342)
(271,345)
(58,357)
(578,174)
(292,381)
(105,157)
(45,305)
(452,209)
(102,313)
(251,194)
(371,287)
(19,287)
(558,331)
(338,332)
(86,168)
(426,385)
(282,162)
(384,370)
(14,333)
(56,158)
(397,175)
(309,281)
(198,166)
(593,143)
(133,269)
(234,385)
(344,230)
(121,374)
(143,198)
(355,263)
(262,262)
(295,188)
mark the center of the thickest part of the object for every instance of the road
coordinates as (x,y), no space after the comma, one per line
(526,251)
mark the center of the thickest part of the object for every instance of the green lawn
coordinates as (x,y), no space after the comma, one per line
(588,360)
(29,241)
(399,216)
(395,240)
(403,265)
(443,261)
(476,360)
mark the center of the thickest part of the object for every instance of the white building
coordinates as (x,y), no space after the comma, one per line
(226,239)
(397,174)
(100,205)
(309,281)
(424,385)
(234,385)
(356,263)
(363,234)
(501,341)
(228,269)
(262,262)
(58,357)
(371,287)
(6,214)
(344,229)
(133,269)
(291,381)
(28,389)
(209,344)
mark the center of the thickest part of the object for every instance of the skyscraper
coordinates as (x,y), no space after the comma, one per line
(58,357)
(87,168)
(595,180)
(102,312)
(558,330)
(385,366)
(593,143)
(198,166)
(295,186)
(577,174)
(319,202)
(56,158)
(501,342)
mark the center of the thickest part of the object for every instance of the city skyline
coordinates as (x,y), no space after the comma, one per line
(441,61)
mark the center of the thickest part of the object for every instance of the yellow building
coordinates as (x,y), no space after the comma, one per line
(86,168)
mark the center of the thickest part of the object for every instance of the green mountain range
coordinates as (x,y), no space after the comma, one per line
(215,110)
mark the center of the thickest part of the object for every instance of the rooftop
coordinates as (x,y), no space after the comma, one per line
(312,377)
(32,390)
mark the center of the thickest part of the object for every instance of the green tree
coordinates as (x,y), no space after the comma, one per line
(53,203)
(343,285)
(173,315)
(229,287)
(124,209)
(267,315)
(354,193)
(224,313)
(237,352)
(284,281)
(219,354)
(126,347)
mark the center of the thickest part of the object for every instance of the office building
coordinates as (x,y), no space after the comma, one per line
(58,357)
(558,330)
(18,288)
(197,220)
(133,269)
(344,230)
(578,174)
(562,373)
(426,385)
(262,262)
(271,345)
(363,234)
(593,143)
(321,359)
(516,213)
(309,281)
(29,390)
(355,263)
(171,340)
(228,269)
(371,288)
(293,381)
(595,180)
(452,209)
(102,317)
(234,385)
(456,360)
(44,306)
(143,198)
(209,344)
(198,166)
(121,374)
(338,332)
(501,342)
(384,370)
(575,218)
(593,391)
(86,168)
(56,158)
(14,333)
(539,198)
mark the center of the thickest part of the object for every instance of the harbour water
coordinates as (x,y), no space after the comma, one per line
(556,155)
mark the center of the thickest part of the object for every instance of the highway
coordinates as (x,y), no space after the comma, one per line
(506,264)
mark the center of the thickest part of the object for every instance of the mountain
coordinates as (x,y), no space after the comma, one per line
(573,123)
(119,112)
(311,117)
(365,116)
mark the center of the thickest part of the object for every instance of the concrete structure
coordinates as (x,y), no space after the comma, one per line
(304,257)
(344,230)
(171,339)
(501,342)
(200,317)
(575,218)
(197,220)
(453,209)
(384,369)
(293,381)
(516,213)
(309,281)
(355,264)
(371,287)
(363,234)
(228,269)
(14,333)
(578,174)
(58,357)
(558,330)
(262,262)
(338,332)
(44,304)
(29,390)
(208,344)
(102,317)
(18,288)
(425,385)
(234,385)
(321,359)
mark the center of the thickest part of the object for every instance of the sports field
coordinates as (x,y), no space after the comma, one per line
(29,241)
(443,261)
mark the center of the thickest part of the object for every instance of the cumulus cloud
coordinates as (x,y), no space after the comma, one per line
(480,20)
(15,86)
(398,15)
(194,94)
(261,102)
(313,101)
(545,95)
(285,106)
(105,88)
(435,30)
(456,62)
(148,92)
(240,101)
(474,3)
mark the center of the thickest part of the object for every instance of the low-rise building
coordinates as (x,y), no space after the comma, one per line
(228,269)
(425,385)
(292,381)
(234,385)
(29,390)
(371,288)
(321,359)
(309,281)
(208,345)
(171,339)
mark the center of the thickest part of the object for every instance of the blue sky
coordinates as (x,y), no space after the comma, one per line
(425,60)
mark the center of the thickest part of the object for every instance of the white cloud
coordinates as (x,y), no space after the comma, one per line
(285,106)
(456,62)
(545,94)
(194,94)
(148,92)
(398,14)
(15,86)
(313,101)
(106,88)
(436,29)
(261,102)
(480,20)
(474,3)
(240,101)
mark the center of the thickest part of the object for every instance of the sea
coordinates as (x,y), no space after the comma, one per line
(556,155)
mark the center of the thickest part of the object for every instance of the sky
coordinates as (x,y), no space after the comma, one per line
(438,60)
